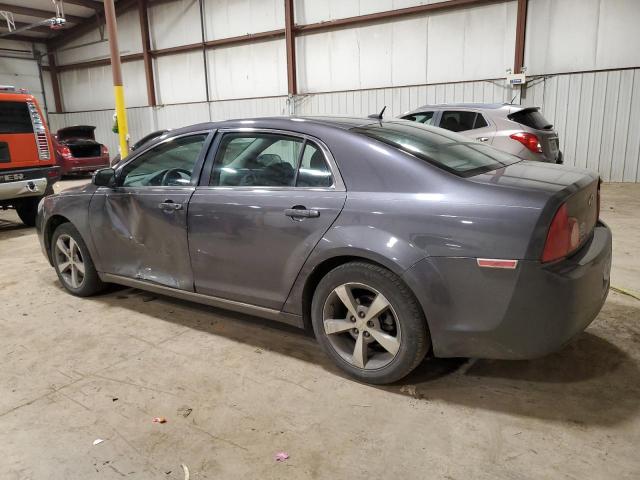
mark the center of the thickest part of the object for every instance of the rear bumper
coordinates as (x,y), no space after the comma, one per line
(512,314)
(79,165)
(25,183)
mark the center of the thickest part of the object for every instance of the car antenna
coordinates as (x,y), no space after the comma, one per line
(378,116)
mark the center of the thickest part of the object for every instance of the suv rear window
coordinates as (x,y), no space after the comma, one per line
(15,118)
(448,151)
(532,118)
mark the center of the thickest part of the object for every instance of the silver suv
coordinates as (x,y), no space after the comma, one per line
(521,131)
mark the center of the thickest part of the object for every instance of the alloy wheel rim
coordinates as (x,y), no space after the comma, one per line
(361,326)
(69,261)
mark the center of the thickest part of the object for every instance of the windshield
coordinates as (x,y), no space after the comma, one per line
(451,152)
(531,118)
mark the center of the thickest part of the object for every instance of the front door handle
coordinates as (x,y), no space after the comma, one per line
(300,212)
(169,206)
(482,139)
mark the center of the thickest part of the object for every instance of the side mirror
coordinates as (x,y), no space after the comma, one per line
(105,177)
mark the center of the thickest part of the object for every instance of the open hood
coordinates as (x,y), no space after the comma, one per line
(77,131)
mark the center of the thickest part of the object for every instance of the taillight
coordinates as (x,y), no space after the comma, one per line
(104,151)
(529,140)
(42,139)
(563,236)
(64,151)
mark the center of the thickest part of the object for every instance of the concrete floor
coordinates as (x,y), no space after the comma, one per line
(75,370)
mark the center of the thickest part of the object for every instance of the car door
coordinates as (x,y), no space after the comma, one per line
(468,123)
(269,199)
(140,225)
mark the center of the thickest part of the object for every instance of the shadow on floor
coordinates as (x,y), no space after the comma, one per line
(590,381)
(12,229)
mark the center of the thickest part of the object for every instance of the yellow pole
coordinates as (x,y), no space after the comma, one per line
(121,115)
(116,69)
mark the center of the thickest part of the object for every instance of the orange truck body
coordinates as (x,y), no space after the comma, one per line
(28,167)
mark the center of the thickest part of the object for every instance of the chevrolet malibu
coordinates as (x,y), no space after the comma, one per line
(391,239)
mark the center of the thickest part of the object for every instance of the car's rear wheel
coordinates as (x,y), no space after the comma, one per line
(73,263)
(369,322)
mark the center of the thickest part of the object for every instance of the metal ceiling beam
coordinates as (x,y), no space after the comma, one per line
(521,26)
(87,4)
(26,38)
(392,14)
(40,29)
(290,41)
(35,12)
(90,23)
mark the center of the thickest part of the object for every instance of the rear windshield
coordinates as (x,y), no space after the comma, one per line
(532,119)
(449,151)
(15,118)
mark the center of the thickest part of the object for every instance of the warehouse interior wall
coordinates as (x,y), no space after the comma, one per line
(19,68)
(581,60)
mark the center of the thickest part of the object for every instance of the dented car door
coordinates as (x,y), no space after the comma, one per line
(139,227)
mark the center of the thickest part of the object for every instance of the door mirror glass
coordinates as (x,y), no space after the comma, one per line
(105,177)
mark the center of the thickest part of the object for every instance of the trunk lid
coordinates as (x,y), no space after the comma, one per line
(547,187)
(77,131)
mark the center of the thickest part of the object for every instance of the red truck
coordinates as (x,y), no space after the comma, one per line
(28,167)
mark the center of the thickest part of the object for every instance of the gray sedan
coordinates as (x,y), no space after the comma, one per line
(390,239)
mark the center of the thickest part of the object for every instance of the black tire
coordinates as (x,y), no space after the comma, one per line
(91,283)
(27,210)
(415,340)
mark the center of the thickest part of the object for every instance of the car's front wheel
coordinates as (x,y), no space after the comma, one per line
(73,263)
(369,322)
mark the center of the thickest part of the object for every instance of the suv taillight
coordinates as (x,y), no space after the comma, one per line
(563,236)
(42,139)
(529,140)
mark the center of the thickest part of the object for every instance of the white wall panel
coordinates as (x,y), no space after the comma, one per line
(469,44)
(233,18)
(578,35)
(92,45)
(180,78)
(92,88)
(399,100)
(174,23)
(253,107)
(597,116)
(250,70)
(22,73)
(313,11)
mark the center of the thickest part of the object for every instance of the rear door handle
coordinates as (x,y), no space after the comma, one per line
(482,139)
(301,212)
(169,206)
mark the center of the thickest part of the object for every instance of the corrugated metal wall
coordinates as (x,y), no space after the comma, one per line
(367,67)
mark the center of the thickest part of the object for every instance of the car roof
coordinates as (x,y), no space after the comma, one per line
(294,123)
(16,97)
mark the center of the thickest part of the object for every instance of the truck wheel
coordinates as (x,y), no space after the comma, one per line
(27,210)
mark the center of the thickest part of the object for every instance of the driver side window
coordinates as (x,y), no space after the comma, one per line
(169,164)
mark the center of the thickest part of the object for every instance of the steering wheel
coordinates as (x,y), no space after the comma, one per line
(172,175)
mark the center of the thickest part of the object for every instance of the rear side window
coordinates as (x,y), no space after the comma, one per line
(531,118)
(422,117)
(461,121)
(15,118)
(448,151)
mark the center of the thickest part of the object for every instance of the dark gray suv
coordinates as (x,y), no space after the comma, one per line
(520,131)
(390,238)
